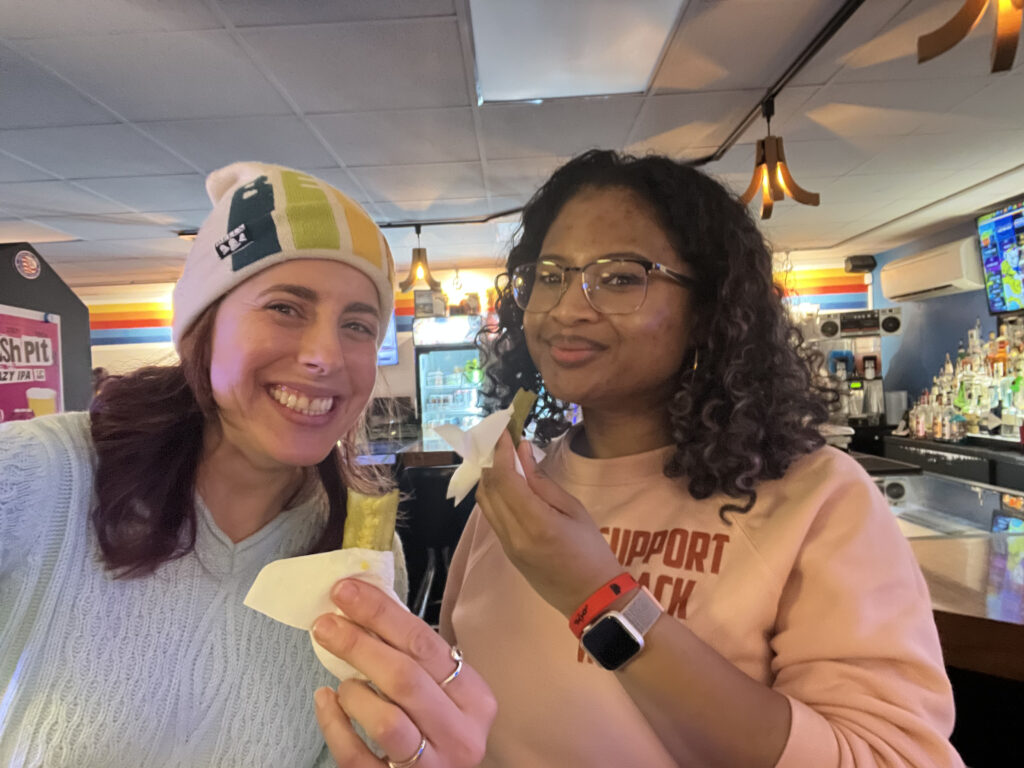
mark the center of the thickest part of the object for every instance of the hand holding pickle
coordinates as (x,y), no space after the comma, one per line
(296,590)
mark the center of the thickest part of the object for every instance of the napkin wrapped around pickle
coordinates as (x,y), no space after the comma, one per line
(296,590)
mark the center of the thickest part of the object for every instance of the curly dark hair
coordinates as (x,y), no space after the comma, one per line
(754,402)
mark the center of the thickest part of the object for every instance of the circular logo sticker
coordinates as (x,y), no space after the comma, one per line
(27,264)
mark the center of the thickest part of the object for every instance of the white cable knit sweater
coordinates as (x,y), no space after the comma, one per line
(166,670)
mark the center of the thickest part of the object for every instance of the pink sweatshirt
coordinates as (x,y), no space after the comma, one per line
(814,592)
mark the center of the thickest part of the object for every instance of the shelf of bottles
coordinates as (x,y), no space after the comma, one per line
(980,392)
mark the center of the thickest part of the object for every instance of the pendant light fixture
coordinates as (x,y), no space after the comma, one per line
(771,175)
(419,269)
(1009,15)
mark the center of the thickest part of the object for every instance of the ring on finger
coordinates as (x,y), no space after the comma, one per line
(456,655)
(412,760)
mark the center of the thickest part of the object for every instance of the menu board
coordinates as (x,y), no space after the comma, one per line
(31,382)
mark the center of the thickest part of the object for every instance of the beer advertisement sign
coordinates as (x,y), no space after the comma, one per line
(31,383)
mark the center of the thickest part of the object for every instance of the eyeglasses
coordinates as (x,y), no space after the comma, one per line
(613,286)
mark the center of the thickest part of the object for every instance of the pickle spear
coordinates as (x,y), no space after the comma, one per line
(370,521)
(522,405)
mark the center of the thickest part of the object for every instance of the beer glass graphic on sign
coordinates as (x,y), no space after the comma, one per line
(42,400)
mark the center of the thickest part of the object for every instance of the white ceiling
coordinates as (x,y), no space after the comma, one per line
(112,111)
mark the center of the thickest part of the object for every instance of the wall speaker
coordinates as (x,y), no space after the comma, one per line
(890,321)
(860,264)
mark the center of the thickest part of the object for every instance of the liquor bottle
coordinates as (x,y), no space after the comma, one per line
(937,412)
(961,352)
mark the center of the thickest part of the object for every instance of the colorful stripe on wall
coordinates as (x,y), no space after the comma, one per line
(131,323)
(830,289)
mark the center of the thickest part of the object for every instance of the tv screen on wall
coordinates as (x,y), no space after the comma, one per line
(1001,237)
(388,352)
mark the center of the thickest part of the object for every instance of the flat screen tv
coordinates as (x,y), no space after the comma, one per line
(388,352)
(1001,237)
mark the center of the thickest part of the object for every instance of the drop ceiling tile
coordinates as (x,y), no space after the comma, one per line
(18,231)
(891,55)
(937,152)
(366,66)
(12,169)
(154,193)
(997,105)
(702,55)
(400,136)
(670,124)
(90,150)
(425,210)
(521,178)
(254,13)
(32,97)
(435,181)
(58,18)
(52,198)
(561,127)
(878,109)
(114,226)
(163,76)
(212,144)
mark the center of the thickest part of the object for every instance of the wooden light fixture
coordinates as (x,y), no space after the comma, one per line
(771,174)
(1009,14)
(419,269)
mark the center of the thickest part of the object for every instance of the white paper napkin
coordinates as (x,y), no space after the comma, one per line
(296,590)
(476,447)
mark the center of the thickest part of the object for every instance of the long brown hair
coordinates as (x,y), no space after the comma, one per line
(148,428)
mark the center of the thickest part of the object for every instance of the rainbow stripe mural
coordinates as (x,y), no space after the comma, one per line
(129,323)
(830,289)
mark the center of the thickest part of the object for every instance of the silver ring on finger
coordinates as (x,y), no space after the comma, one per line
(457,658)
(412,760)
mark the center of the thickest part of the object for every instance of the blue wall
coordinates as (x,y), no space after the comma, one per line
(932,327)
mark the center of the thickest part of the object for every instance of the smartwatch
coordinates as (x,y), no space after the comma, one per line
(616,637)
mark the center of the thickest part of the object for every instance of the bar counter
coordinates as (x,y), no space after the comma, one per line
(975,574)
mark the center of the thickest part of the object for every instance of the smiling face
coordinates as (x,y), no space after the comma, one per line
(611,362)
(294,360)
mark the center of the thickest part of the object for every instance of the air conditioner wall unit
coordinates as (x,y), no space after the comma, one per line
(951,268)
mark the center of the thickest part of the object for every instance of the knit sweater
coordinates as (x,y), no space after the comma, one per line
(814,592)
(164,670)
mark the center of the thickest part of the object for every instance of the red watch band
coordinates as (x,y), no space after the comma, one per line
(598,602)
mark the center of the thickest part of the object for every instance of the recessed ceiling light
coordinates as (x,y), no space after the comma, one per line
(539,49)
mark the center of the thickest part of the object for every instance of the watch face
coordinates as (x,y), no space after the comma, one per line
(611,643)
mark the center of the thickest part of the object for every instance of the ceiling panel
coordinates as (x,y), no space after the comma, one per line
(91,150)
(12,169)
(521,178)
(60,18)
(702,56)
(19,231)
(400,136)
(254,13)
(366,66)
(466,208)
(672,123)
(873,109)
(154,193)
(32,97)
(212,144)
(437,181)
(53,198)
(557,127)
(166,76)
(113,226)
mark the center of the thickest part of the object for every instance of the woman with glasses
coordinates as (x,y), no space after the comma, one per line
(689,577)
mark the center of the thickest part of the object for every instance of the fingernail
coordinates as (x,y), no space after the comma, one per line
(345,591)
(324,627)
(322,697)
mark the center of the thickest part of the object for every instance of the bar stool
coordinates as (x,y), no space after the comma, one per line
(430,526)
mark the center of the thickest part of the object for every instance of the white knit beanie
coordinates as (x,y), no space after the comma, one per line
(264,215)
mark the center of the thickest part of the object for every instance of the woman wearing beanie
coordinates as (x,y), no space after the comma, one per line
(130,535)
